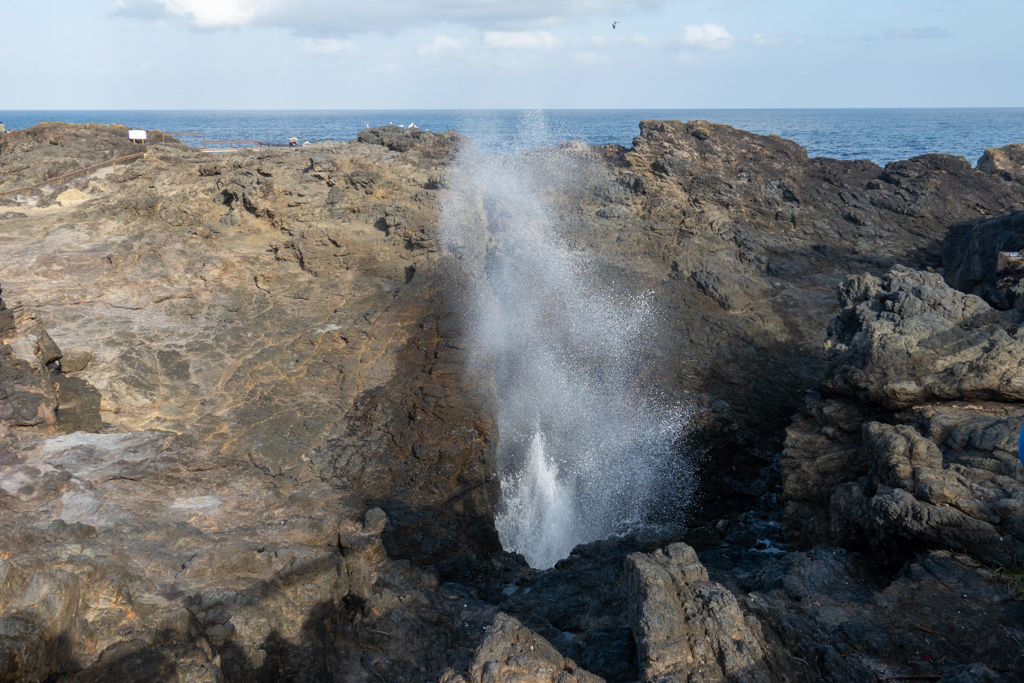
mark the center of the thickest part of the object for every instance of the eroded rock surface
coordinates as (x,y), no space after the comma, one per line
(971,258)
(27,396)
(911,442)
(513,653)
(262,348)
(688,628)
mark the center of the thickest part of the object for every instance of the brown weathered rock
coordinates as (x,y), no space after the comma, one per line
(1006,162)
(512,653)
(278,347)
(688,628)
(27,397)
(863,471)
(907,338)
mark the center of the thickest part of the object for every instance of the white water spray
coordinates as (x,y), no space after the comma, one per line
(585,450)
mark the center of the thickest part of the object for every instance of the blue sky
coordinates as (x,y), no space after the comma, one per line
(324,54)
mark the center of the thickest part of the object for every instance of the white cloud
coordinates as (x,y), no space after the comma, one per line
(327,46)
(589,58)
(761,40)
(917,33)
(862,37)
(619,41)
(217,13)
(319,18)
(442,45)
(707,37)
(520,40)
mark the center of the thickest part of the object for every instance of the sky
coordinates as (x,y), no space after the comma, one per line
(498,54)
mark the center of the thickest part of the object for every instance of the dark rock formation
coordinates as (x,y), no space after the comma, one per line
(688,628)
(27,397)
(266,346)
(512,653)
(971,258)
(829,616)
(911,442)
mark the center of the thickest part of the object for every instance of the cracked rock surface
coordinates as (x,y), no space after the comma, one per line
(265,457)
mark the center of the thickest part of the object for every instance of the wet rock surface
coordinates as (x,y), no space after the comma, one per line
(265,458)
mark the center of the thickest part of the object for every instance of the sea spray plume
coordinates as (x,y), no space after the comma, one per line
(583,448)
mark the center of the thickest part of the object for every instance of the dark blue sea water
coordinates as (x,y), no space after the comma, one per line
(881,135)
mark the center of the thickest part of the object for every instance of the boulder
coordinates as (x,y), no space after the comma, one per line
(1006,162)
(512,653)
(972,261)
(688,628)
(910,441)
(76,359)
(907,337)
(27,396)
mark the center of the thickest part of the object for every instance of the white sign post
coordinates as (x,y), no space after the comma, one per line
(136,135)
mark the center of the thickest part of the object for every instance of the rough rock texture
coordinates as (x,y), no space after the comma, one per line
(512,653)
(688,628)
(27,397)
(907,446)
(269,355)
(265,346)
(1006,162)
(830,616)
(49,150)
(907,338)
(281,307)
(970,257)
(743,238)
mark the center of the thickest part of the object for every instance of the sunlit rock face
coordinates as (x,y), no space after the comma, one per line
(262,347)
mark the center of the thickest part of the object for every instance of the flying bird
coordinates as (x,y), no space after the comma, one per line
(614,23)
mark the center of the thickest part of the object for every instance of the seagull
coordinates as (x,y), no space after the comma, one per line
(614,24)
(411,126)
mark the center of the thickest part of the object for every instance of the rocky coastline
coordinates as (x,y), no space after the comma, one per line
(242,437)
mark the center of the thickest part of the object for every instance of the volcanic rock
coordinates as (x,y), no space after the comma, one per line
(688,628)
(280,458)
(513,653)
(27,397)
(972,262)
(1006,162)
(910,442)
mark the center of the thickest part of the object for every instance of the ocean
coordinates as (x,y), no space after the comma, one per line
(882,135)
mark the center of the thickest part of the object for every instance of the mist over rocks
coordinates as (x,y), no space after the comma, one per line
(277,347)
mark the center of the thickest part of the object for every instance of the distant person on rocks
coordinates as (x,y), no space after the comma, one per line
(293,142)
(306,143)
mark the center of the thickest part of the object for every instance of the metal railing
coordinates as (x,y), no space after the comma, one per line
(81,170)
(230,143)
(175,135)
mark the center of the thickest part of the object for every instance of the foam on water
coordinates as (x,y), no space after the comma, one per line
(585,449)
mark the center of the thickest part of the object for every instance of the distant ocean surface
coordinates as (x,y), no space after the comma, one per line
(882,135)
